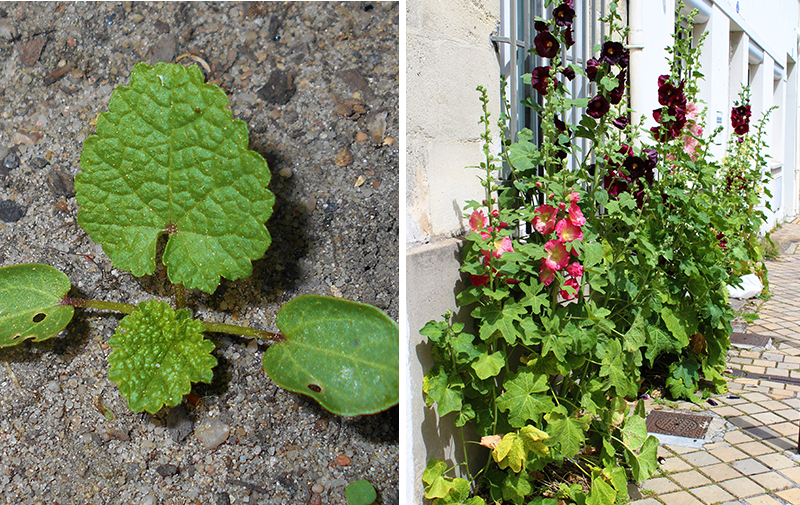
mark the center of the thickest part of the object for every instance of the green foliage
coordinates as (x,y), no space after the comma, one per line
(343,354)
(169,159)
(615,268)
(360,492)
(157,353)
(30,303)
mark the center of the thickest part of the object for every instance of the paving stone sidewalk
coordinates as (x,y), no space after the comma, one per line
(753,460)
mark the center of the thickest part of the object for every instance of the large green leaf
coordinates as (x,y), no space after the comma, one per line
(343,354)
(30,308)
(157,353)
(168,158)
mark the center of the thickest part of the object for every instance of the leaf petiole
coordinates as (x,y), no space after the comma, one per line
(243,330)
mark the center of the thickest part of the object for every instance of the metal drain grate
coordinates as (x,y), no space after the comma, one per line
(677,424)
(749,340)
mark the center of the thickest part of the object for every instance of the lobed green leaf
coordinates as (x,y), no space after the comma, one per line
(168,158)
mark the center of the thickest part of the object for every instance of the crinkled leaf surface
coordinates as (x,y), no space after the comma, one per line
(29,303)
(343,354)
(169,158)
(157,354)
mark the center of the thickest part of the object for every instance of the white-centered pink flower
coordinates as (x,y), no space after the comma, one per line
(478,221)
(557,255)
(545,219)
(567,231)
(574,197)
(576,216)
(546,276)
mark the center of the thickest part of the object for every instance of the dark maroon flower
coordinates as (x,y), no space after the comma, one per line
(540,77)
(591,68)
(616,94)
(564,14)
(540,26)
(612,52)
(568,39)
(598,107)
(570,3)
(740,119)
(675,104)
(651,158)
(615,183)
(638,168)
(568,72)
(621,122)
(546,45)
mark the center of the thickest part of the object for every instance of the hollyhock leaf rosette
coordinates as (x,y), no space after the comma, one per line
(30,308)
(344,354)
(157,353)
(169,158)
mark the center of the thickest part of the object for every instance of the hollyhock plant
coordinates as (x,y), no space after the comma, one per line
(545,219)
(478,221)
(566,295)
(546,276)
(592,66)
(540,77)
(563,15)
(612,52)
(740,119)
(576,216)
(557,255)
(567,231)
(598,107)
(546,45)
(575,269)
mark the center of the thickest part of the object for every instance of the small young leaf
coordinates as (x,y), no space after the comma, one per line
(343,354)
(29,303)
(169,159)
(157,354)
(360,492)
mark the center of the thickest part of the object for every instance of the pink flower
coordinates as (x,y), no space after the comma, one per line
(545,219)
(546,276)
(477,221)
(576,216)
(565,294)
(567,231)
(557,255)
(501,245)
(575,269)
(574,197)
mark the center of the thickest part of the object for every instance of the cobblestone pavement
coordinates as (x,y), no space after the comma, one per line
(752,459)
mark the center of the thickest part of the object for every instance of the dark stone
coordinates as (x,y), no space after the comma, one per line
(160,26)
(179,424)
(355,80)
(11,161)
(39,163)
(164,49)
(279,88)
(61,184)
(222,499)
(10,212)
(167,470)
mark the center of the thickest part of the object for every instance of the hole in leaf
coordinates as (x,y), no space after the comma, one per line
(314,388)
(38,318)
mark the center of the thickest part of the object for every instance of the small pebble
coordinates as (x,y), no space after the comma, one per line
(317,488)
(361,137)
(137,18)
(285,172)
(10,212)
(167,470)
(342,460)
(344,158)
(11,161)
(315,500)
(212,433)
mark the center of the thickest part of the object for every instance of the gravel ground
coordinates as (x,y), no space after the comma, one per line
(317,84)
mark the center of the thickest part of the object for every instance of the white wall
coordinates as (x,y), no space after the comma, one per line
(448,54)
